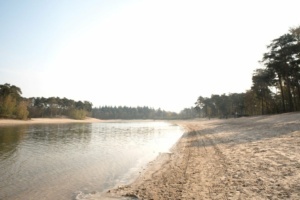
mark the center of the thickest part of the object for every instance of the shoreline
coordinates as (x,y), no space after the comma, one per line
(13,122)
(244,158)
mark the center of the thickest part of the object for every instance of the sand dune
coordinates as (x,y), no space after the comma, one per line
(245,158)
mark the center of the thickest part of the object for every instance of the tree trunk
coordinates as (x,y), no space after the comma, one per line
(282,95)
(298,89)
(291,105)
(262,105)
(295,100)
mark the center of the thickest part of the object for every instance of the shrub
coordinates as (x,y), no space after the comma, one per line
(21,111)
(77,114)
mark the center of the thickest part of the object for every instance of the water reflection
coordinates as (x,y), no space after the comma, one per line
(10,137)
(60,133)
(56,161)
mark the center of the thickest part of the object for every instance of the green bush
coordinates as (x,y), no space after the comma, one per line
(21,111)
(77,114)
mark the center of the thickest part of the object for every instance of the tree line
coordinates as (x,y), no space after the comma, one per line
(56,107)
(124,112)
(14,106)
(275,86)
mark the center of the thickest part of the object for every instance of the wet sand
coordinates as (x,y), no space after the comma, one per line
(244,158)
(10,122)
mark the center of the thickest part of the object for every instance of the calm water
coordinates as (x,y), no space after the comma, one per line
(74,161)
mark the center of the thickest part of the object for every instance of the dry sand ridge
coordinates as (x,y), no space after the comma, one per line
(244,158)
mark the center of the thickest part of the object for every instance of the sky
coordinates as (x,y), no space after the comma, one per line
(157,53)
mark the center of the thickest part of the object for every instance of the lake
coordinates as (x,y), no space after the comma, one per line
(76,161)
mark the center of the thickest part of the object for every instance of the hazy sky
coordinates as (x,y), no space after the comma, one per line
(159,53)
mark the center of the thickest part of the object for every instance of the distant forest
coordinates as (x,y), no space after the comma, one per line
(124,112)
(14,106)
(275,89)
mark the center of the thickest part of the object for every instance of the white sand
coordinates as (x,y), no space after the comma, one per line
(245,158)
(5,122)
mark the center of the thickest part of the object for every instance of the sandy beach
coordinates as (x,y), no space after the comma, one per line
(244,158)
(10,122)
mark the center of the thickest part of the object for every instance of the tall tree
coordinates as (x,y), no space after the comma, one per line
(296,64)
(280,61)
(12,90)
(11,103)
(261,81)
